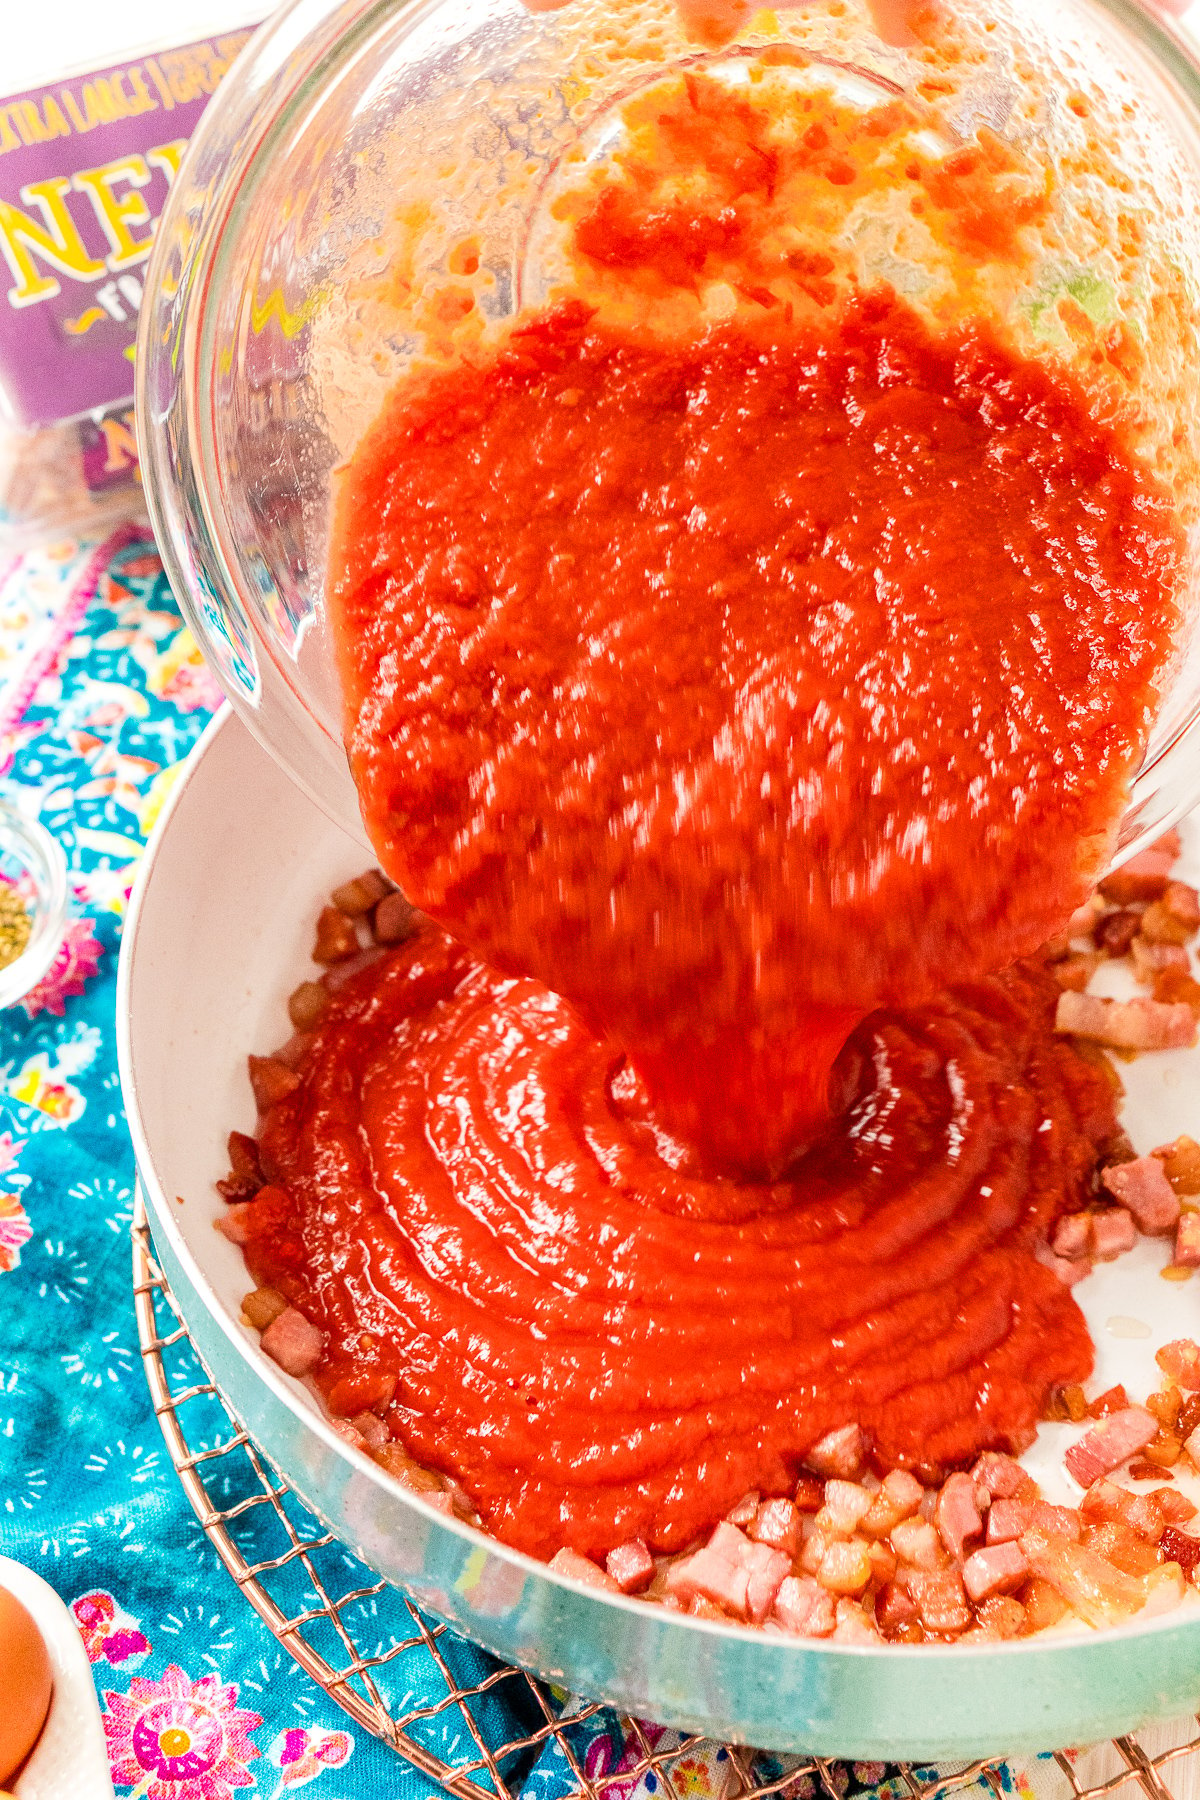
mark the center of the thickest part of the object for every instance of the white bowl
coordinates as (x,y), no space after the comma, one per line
(70,1759)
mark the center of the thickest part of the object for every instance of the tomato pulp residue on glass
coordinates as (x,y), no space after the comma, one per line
(775,173)
(732,679)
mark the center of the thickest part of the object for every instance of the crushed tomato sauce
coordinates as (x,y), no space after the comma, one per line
(734,687)
(771,177)
(600,1347)
(735,698)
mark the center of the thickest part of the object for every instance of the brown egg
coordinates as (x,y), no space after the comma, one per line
(26,1681)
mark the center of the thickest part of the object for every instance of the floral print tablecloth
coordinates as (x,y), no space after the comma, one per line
(102,695)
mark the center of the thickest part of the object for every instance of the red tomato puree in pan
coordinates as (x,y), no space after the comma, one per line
(737,702)
(470,1199)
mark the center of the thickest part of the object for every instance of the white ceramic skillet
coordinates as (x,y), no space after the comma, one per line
(218,934)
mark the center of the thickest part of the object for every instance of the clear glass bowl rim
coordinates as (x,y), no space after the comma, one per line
(293,58)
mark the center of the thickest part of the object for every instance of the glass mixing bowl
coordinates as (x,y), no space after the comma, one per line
(357,145)
(346,160)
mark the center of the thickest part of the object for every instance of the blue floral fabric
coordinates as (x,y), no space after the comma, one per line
(104,695)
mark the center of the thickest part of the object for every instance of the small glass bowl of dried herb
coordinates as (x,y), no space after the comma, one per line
(33,903)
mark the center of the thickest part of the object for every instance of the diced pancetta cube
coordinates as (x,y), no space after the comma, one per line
(884,1560)
(580,1568)
(1001,1617)
(768,1571)
(407,1472)
(916,1542)
(1151,960)
(940,1597)
(956,1515)
(845,1567)
(853,1625)
(1007,1519)
(1181,1160)
(778,1524)
(1076,970)
(234,1222)
(716,1572)
(846,1506)
(708,1573)
(1175,989)
(1143,877)
(809,1496)
(813,1549)
(1105,1502)
(1067,1270)
(745,1510)
(894,1607)
(1081,921)
(1187,1240)
(631,1566)
(1001,1475)
(1091,1587)
(1180,1547)
(293,1342)
(1176,1508)
(740,1577)
(1073,1235)
(1115,932)
(1142,1186)
(1113,1233)
(898,1498)
(1159,926)
(839,1452)
(1147,1514)
(1180,1362)
(1165,1588)
(803,1607)
(1122,1547)
(1044,1605)
(372,1430)
(1174,916)
(1057,1521)
(271,1080)
(1137,1024)
(999,1569)
(1109,1443)
(902,1489)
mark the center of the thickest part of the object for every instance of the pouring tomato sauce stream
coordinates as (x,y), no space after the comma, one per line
(739,705)
(738,688)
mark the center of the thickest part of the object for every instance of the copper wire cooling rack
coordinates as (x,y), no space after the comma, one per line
(448,1707)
